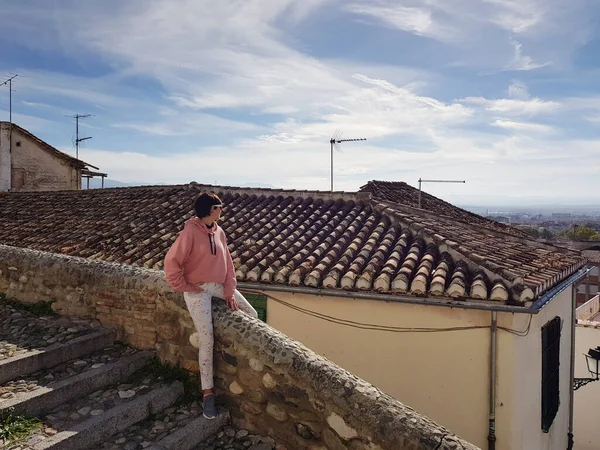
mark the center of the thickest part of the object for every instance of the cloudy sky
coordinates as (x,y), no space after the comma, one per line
(500,93)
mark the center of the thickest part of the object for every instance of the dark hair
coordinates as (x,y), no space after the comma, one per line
(204,202)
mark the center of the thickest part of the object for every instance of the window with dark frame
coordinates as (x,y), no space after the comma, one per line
(259,302)
(550,372)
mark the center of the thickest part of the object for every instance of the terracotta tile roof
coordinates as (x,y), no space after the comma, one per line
(296,238)
(529,268)
(404,194)
(592,255)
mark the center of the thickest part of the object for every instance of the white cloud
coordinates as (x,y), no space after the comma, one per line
(531,107)
(522,62)
(187,124)
(593,119)
(227,67)
(518,91)
(518,16)
(526,127)
(413,20)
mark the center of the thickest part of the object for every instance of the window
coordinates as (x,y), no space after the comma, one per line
(550,372)
(259,302)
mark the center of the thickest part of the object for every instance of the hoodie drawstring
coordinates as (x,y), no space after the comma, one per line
(213,246)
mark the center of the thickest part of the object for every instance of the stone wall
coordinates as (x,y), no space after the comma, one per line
(269,382)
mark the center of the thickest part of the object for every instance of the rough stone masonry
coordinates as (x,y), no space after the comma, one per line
(269,382)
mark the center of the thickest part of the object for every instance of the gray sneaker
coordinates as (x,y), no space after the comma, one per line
(209,410)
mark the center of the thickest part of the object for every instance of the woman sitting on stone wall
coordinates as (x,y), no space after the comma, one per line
(199,265)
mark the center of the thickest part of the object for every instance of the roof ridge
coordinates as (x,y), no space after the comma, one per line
(477,227)
(326,195)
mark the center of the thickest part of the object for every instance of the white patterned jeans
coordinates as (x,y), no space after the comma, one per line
(199,305)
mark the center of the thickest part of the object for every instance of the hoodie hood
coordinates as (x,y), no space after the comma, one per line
(199,224)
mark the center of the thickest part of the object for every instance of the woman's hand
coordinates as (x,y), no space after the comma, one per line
(232,303)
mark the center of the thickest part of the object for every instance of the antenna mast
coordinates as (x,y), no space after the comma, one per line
(435,181)
(77,139)
(334,142)
(9,83)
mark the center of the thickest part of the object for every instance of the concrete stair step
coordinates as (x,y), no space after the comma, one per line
(192,434)
(27,363)
(45,398)
(95,429)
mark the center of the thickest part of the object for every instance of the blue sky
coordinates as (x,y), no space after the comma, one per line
(500,93)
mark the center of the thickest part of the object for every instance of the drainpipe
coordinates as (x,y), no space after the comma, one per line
(572,377)
(493,348)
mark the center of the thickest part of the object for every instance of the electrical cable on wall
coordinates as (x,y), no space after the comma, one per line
(392,329)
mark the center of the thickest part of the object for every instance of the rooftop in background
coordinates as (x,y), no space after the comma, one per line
(310,239)
(593,256)
(400,192)
(77,163)
(588,314)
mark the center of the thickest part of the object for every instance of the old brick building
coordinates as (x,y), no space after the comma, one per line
(30,164)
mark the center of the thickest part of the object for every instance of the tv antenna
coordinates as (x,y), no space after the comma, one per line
(335,142)
(435,181)
(10,89)
(77,138)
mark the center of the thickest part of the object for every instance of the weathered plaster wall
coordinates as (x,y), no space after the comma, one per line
(269,382)
(4,159)
(38,170)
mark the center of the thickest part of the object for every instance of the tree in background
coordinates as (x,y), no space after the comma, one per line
(533,232)
(580,233)
(539,233)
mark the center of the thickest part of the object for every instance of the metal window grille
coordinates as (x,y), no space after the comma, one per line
(259,302)
(550,372)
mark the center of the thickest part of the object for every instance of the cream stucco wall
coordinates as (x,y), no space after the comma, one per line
(525,430)
(43,171)
(444,375)
(587,398)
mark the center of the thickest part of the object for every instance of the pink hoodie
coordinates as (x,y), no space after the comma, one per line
(200,255)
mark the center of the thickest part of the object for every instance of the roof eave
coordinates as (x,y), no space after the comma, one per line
(429,300)
(473,304)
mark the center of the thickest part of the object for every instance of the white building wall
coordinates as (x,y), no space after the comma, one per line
(587,398)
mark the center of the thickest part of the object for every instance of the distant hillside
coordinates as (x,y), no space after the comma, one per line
(96,183)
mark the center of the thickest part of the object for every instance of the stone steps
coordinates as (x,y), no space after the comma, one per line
(45,398)
(87,389)
(29,362)
(96,429)
(180,427)
(188,437)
